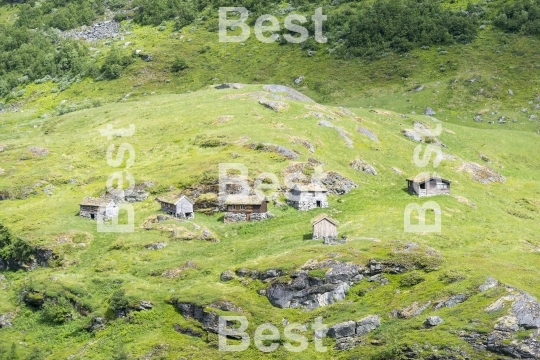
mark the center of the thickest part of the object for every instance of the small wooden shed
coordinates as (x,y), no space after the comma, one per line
(324,227)
(98,208)
(307,197)
(179,206)
(245,208)
(428,185)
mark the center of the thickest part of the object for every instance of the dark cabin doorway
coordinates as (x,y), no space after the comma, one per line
(92,216)
(318,204)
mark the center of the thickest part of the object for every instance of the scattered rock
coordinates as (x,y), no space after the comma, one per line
(227,275)
(413,135)
(418,89)
(96,324)
(397,171)
(361,165)
(450,302)
(5,320)
(429,111)
(292,94)
(275,105)
(156,246)
(229,86)
(434,321)
(337,184)
(270,274)
(482,174)
(299,79)
(144,305)
(489,284)
(414,309)
(368,133)
(510,92)
(38,151)
(98,31)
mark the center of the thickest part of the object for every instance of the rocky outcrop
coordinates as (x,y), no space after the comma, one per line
(367,133)
(97,31)
(209,319)
(346,333)
(5,320)
(481,173)
(522,313)
(278,106)
(337,184)
(278,149)
(156,246)
(361,165)
(309,292)
(229,86)
(291,94)
(413,135)
(96,324)
(414,309)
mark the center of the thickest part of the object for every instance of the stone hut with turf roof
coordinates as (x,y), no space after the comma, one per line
(307,197)
(98,208)
(246,208)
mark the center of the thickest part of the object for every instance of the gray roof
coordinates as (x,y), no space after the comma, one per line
(426,177)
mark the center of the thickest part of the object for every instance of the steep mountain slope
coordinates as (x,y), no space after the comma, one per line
(49,164)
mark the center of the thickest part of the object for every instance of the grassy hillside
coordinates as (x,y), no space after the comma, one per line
(496,238)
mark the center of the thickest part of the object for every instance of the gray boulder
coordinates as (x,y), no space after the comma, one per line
(429,111)
(367,324)
(291,94)
(368,133)
(5,320)
(341,330)
(434,320)
(413,135)
(227,275)
(489,284)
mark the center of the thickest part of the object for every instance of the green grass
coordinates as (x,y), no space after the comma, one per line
(495,239)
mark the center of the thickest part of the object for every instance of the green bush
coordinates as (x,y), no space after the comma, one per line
(115,63)
(411,279)
(179,64)
(56,311)
(398,25)
(13,248)
(520,16)
(118,300)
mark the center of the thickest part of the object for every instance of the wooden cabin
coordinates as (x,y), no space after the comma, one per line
(324,227)
(307,197)
(93,208)
(179,206)
(246,208)
(428,186)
